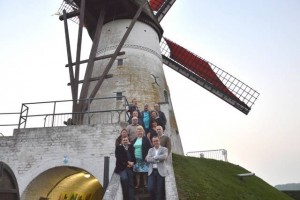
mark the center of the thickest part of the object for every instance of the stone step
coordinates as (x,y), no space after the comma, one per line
(142,194)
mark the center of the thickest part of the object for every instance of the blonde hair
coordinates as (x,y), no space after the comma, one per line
(140,128)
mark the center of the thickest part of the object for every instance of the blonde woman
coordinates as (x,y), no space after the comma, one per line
(141,146)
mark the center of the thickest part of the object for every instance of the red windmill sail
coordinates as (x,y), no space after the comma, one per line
(200,67)
(156,4)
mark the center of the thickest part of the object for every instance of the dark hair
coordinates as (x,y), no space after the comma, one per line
(125,137)
(155,137)
(123,130)
(153,120)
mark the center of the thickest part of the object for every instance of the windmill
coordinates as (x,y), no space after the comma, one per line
(129,32)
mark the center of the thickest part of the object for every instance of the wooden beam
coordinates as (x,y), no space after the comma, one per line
(69,54)
(118,49)
(95,79)
(79,41)
(98,58)
(90,65)
(8,191)
(69,15)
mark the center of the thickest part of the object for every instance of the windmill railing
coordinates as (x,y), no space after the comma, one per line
(217,154)
(7,121)
(59,113)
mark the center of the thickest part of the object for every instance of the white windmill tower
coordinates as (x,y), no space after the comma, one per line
(128,54)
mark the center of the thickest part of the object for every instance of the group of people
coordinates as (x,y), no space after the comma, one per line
(141,151)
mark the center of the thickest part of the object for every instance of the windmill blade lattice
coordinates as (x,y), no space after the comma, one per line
(69,6)
(209,76)
(161,7)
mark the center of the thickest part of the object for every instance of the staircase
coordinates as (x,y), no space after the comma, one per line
(114,189)
(142,194)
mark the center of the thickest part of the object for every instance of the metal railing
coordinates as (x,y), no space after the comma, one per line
(59,113)
(218,154)
(7,121)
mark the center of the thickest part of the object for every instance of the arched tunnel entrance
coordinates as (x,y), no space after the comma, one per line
(64,183)
(8,184)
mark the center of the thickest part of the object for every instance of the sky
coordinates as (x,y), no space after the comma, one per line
(256,41)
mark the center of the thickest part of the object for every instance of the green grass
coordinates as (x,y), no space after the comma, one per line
(207,179)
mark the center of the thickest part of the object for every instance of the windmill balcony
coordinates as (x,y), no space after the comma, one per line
(59,113)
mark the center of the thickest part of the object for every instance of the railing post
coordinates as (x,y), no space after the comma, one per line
(224,152)
(89,107)
(20,116)
(125,108)
(27,108)
(53,113)
(45,118)
(106,173)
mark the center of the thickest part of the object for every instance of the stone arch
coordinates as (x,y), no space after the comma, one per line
(9,189)
(64,182)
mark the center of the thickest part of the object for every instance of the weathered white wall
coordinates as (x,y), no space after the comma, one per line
(133,78)
(171,128)
(33,151)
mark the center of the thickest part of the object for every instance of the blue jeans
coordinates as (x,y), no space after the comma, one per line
(126,177)
(156,185)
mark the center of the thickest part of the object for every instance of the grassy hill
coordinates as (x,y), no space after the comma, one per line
(207,179)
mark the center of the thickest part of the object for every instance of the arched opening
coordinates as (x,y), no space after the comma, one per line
(8,183)
(64,183)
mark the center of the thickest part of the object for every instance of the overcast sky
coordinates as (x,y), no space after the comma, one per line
(256,41)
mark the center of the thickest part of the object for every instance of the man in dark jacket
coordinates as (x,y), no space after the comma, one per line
(125,160)
(161,114)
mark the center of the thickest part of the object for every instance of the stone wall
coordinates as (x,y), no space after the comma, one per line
(33,151)
(30,152)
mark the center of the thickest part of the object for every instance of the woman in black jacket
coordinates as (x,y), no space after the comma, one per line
(141,146)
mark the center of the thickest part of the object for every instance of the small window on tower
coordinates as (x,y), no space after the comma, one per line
(119,95)
(120,61)
(166,96)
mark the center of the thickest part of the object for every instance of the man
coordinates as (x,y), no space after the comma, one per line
(161,114)
(154,116)
(157,169)
(131,129)
(145,116)
(132,107)
(135,113)
(125,160)
(165,140)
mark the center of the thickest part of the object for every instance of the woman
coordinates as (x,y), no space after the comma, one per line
(152,131)
(141,146)
(123,134)
(154,116)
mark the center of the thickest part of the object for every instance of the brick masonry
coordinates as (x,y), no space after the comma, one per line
(29,152)
(32,151)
